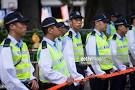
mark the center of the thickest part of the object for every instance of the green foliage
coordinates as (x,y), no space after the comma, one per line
(27,38)
(3,34)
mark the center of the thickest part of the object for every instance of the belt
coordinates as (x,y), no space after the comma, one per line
(26,83)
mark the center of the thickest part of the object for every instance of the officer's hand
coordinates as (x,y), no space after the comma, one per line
(70,80)
(34,85)
(82,82)
(90,76)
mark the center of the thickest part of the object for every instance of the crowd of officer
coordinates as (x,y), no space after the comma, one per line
(110,45)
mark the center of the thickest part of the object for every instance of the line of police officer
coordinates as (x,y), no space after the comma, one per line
(59,55)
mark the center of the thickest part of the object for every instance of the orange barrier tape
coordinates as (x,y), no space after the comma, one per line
(65,83)
(116,73)
(104,76)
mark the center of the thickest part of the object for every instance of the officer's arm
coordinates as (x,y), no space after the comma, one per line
(131,37)
(45,65)
(70,59)
(8,75)
(88,71)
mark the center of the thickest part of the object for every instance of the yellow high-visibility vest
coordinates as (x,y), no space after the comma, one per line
(122,50)
(58,62)
(77,47)
(104,53)
(21,60)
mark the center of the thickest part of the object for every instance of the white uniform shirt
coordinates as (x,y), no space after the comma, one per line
(91,51)
(113,46)
(45,64)
(131,36)
(131,43)
(68,53)
(8,76)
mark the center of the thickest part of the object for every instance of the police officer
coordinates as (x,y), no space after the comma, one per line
(17,68)
(110,30)
(131,43)
(73,49)
(97,46)
(63,29)
(130,33)
(52,66)
(119,49)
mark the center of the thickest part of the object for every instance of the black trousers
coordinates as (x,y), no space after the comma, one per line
(44,86)
(80,69)
(99,84)
(2,88)
(118,82)
(132,80)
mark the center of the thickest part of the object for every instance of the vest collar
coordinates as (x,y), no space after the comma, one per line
(119,37)
(14,41)
(98,33)
(50,42)
(76,34)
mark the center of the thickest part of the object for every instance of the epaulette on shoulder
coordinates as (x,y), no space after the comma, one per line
(130,27)
(44,45)
(114,37)
(70,34)
(7,42)
(93,33)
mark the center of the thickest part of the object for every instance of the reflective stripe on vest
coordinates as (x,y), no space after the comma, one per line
(58,63)
(105,52)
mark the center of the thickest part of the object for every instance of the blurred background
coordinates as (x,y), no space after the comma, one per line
(37,10)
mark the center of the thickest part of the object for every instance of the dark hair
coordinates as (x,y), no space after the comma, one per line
(7,26)
(116,27)
(45,30)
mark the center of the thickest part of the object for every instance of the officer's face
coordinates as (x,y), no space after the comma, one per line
(101,25)
(76,24)
(63,31)
(19,28)
(122,29)
(113,18)
(54,31)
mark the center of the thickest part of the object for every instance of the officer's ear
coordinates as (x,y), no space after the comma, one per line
(12,26)
(50,29)
(96,23)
